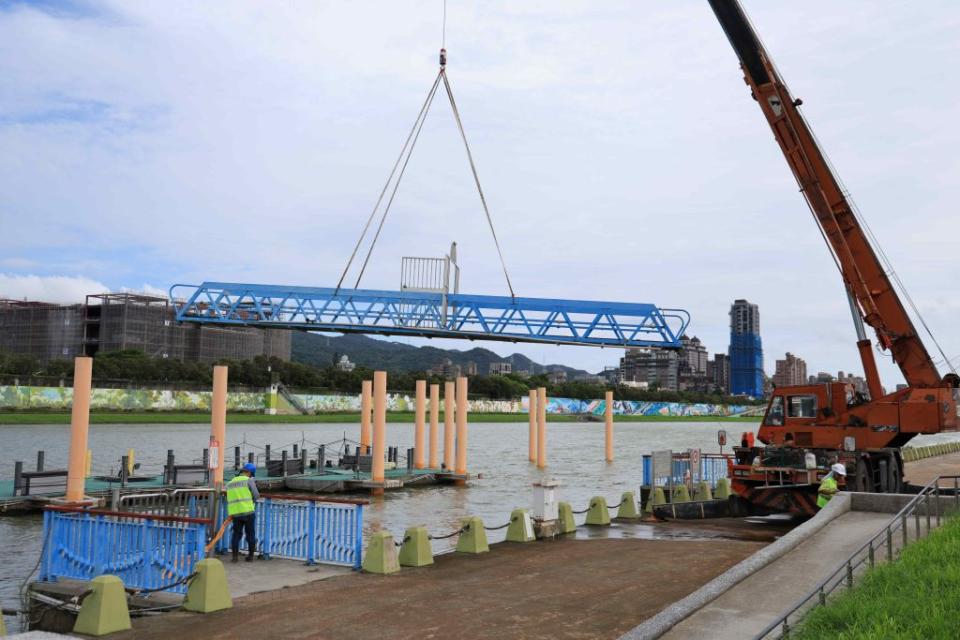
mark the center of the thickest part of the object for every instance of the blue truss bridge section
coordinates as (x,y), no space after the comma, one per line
(431,315)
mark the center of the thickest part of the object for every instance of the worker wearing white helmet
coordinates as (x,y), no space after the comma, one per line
(828,486)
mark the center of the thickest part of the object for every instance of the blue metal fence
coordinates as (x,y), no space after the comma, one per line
(711,469)
(145,552)
(312,531)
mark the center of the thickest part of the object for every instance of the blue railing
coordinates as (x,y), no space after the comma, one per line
(312,531)
(146,552)
(711,469)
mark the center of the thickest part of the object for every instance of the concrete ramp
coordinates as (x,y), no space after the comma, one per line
(750,605)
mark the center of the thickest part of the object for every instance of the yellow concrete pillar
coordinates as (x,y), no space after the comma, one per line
(79,427)
(461,426)
(88,464)
(218,419)
(131,461)
(448,435)
(608,419)
(532,414)
(542,427)
(420,416)
(434,457)
(366,399)
(379,424)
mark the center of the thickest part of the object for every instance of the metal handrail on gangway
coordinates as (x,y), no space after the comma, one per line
(431,315)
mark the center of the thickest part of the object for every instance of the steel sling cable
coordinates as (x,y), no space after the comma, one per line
(417,124)
(418,127)
(476,178)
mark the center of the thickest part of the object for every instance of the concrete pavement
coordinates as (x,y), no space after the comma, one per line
(245,578)
(752,604)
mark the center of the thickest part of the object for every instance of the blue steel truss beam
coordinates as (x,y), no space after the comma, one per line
(431,315)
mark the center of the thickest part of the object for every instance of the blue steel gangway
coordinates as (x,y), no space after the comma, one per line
(430,314)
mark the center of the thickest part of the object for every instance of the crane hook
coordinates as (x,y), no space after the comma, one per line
(443,58)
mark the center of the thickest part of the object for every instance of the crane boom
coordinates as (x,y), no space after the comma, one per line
(872,293)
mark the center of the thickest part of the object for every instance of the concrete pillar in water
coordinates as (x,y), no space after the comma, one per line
(218,419)
(366,399)
(434,457)
(461,426)
(448,436)
(542,427)
(608,419)
(532,444)
(79,427)
(379,426)
(420,416)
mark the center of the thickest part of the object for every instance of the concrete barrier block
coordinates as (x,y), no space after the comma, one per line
(104,610)
(628,506)
(521,527)
(723,489)
(381,555)
(415,550)
(474,537)
(3,626)
(703,491)
(208,591)
(565,516)
(599,514)
(680,494)
(657,497)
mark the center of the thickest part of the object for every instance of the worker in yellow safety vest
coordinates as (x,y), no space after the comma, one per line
(242,496)
(828,486)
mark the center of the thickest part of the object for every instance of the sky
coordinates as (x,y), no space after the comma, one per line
(144,144)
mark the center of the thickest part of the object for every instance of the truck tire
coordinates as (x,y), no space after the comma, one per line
(895,481)
(883,475)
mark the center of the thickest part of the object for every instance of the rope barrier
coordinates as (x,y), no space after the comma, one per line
(455,533)
(503,526)
(182,580)
(580,512)
(614,506)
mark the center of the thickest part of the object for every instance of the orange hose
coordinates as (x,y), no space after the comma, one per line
(219,535)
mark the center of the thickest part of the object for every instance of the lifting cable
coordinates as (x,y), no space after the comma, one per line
(403,160)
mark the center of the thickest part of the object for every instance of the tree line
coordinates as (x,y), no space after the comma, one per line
(136,367)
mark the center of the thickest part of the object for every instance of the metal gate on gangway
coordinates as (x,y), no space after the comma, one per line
(307,528)
(146,551)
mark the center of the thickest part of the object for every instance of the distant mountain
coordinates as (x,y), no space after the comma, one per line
(321,351)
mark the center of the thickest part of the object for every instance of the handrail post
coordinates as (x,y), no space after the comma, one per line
(870,554)
(889,544)
(823,597)
(849,575)
(936,502)
(267,530)
(904,526)
(926,509)
(358,537)
(312,532)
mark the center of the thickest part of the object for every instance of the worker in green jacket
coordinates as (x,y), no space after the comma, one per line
(828,486)
(242,495)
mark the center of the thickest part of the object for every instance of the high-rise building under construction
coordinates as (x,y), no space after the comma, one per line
(746,350)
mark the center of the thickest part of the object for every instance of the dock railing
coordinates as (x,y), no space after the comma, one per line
(923,510)
(149,552)
(308,528)
(712,467)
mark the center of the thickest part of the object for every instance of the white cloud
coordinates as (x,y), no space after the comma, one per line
(58,289)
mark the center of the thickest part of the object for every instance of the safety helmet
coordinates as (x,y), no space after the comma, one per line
(252,468)
(839,469)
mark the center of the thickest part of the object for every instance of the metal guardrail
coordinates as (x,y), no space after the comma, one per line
(713,466)
(308,529)
(919,508)
(146,551)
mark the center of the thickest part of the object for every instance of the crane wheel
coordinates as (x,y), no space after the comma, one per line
(862,481)
(895,476)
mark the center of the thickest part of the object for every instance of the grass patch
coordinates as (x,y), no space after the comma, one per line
(916,596)
(172,417)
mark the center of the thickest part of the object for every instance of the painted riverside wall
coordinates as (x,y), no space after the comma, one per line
(22,398)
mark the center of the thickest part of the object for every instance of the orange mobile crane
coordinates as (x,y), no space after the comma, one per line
(809,427)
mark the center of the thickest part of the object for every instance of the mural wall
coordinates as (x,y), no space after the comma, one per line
(59,398)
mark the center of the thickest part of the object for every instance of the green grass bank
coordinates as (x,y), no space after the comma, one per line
(916,596)
(162,417)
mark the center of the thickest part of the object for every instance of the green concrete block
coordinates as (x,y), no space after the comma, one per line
(599,514)
(658,497)
(723,489)
(105,609)
(565,516)
(680,494)
(474,537)
(3,626)
(415,550)
(703,491)
(208,591)
(381,555)
(628,506)
(521,527)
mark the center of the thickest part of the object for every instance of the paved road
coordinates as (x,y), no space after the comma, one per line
(923,471)
(752,604)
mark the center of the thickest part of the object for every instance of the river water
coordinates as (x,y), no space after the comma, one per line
(498,451)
